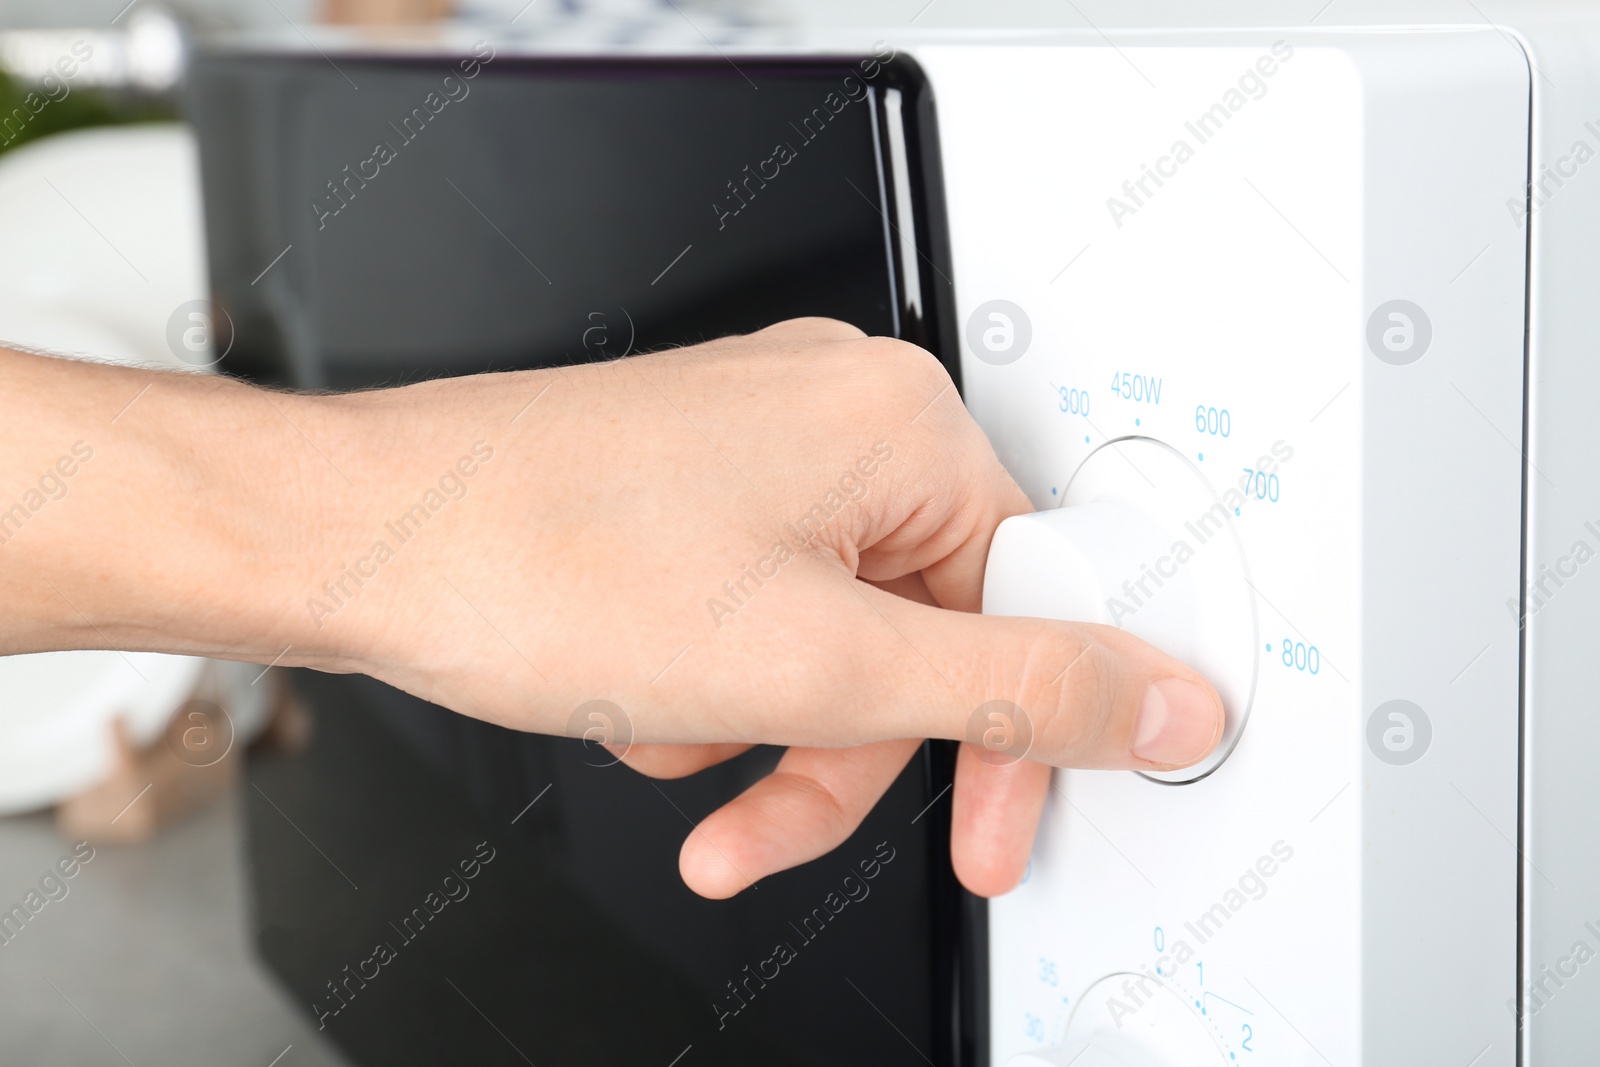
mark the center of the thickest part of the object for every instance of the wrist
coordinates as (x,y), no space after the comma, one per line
(172,512)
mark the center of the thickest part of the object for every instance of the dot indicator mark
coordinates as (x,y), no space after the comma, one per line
(1269,648)
(1136,422)
(1202,457)
(1236,511)
(1052,490)
(1085,438)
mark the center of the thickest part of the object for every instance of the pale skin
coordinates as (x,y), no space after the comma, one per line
(585,558)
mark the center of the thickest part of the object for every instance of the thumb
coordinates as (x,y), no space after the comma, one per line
(1067,694)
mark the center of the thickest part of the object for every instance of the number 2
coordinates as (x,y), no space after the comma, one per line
(1249,1036)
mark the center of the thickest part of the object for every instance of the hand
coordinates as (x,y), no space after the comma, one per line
(775,538)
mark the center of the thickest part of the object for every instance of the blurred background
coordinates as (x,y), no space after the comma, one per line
(121,859)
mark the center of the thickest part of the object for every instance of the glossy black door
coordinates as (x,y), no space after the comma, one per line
(435,889)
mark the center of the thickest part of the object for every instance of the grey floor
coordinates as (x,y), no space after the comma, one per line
(145,960)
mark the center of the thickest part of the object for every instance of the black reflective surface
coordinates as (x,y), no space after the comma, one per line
(556,212)
(547,199)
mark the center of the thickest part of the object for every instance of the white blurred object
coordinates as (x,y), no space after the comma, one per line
(145,50)
(154,48)
(100,248)
(56,707)
(101,242)
(56,710)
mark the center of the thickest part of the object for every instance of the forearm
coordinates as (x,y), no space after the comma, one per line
(154,510)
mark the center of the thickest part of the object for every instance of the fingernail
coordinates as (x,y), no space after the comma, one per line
(1177,724)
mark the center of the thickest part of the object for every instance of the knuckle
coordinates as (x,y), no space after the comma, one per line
(906,363)
(887,381)
(805,797)
(817,327)
(1079,714)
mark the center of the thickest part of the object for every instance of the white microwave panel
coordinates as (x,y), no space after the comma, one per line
(1207,276)
(1320,306)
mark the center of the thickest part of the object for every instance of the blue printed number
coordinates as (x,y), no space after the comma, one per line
(1260,484)
(1047,972)
(1140,388)
(1249,1036)
(1301,657)
(1074,401)
(1214,422)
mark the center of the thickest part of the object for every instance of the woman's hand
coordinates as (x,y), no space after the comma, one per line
(775,538)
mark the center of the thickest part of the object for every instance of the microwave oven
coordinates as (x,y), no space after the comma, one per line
(1287,332)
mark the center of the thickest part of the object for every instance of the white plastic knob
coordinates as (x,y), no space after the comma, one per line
(1140,542)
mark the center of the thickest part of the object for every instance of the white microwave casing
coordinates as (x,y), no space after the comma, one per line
(1224,224)
(1377,259)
